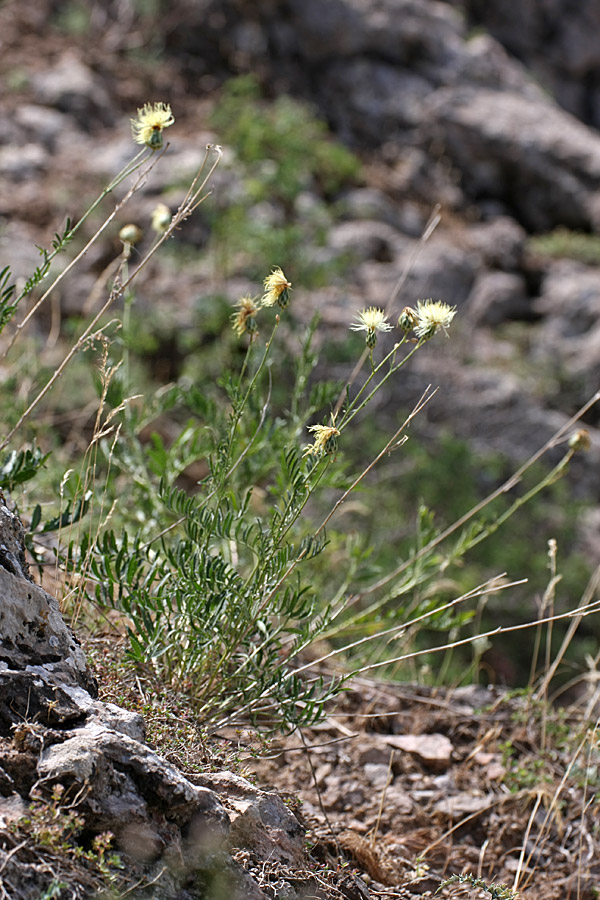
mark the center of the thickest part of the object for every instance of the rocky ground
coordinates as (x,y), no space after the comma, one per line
(399,791)
(399,788)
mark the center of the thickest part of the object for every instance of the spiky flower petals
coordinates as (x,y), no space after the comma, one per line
(371,320)
(244,320)
(152,118)
(431,317)
(161,218)
(276,289)
(325,440)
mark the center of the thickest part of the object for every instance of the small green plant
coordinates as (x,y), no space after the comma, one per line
(283,150)
(57,827)
(52,829)
(496,891)
(217,602)
(523,772)
(563,243)
(54,890)
(286,145)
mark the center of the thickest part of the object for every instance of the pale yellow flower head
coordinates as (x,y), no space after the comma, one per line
(161,218)
(152,118)
(276,289)
(371,320)
(244,320)
(130,234)
(431,317)
(325,440)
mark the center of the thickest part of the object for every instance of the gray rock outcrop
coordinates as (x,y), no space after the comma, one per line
(58,741)
(556,39)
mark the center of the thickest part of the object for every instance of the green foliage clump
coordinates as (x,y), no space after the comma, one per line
(283,150)
(215,533)
(52,829)
(566,244)
(286,147)
(496,891)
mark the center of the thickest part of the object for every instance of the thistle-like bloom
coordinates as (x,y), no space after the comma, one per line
(432,317)
(371,320)
(325,440)
(148,127)
(161,218)
(244,319)
(276,289)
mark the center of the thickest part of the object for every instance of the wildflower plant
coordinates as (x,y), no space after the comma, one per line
(222,588)
(161,218)
(325,440)
(244,320)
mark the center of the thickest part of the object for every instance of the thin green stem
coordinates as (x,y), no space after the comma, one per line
(115,292)
(353,409)
(475,510)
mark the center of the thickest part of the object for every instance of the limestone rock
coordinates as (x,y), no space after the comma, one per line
(72,87)
(539,161)
(260,820)
(500,241)
(32,630)
(435,750)
(374,204)
(22,163)
(442,270)
(463,803)
(497,297)
(12,544)
(557,40)
(120,779)
(42,123)
(364,239)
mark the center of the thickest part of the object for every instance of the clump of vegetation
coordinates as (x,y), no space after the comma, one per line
(47,849)
(496,891)
(285,154)
(221,578)
(223,521)
(565,244)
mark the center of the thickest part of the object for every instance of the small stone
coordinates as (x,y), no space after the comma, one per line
(377,775)
(434,750)
(12,808)
(497,297)
(463,804)
(22,163)
(260,820)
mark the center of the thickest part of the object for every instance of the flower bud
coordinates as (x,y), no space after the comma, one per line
(130,234)
(580,440)
(407,319)
(161,218)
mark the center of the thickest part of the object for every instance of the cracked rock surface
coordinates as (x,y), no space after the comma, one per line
(58,740)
